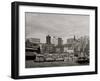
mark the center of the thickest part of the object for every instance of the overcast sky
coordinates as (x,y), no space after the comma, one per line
(38,25)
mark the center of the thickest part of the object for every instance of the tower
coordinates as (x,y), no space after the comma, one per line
(48,39)
(60,41)
(74,38)
(60,45)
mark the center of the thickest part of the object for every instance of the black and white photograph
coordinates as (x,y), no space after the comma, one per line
(56,40)
(51,40)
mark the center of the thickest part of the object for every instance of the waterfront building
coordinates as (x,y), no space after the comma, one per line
(32,45)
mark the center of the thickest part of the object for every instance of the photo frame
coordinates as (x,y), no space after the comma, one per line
(52,40)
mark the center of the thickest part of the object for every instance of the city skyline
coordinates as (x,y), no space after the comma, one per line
(63,26)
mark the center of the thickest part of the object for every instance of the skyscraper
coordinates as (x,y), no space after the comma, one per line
(59,47)
(60,41)
(48,39)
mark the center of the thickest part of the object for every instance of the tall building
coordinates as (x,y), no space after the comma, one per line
(59,47)
(48,39)
(60,41)
(70,43)
(74,38)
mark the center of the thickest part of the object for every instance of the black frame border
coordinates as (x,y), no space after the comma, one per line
(15,39)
